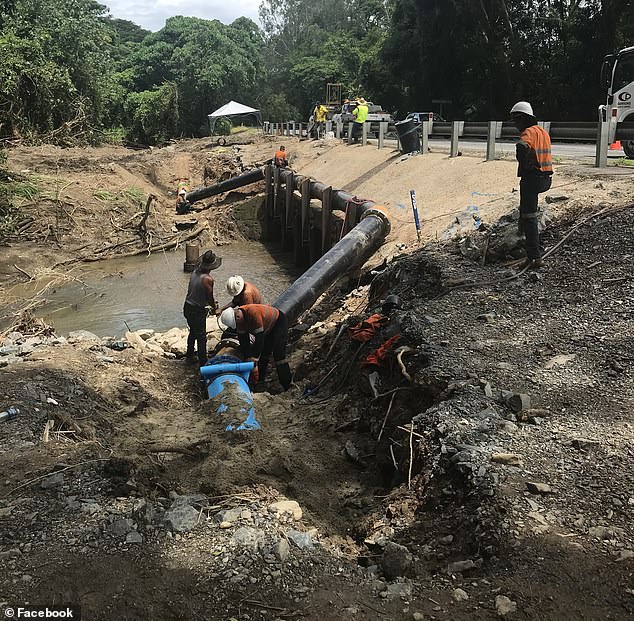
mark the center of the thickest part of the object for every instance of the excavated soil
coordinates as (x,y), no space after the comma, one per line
(405,457)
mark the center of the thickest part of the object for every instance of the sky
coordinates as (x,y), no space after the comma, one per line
(151,14)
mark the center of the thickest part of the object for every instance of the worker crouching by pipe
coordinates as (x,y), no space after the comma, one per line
(269,328)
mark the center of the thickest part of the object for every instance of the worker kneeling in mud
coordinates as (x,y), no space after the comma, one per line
(268,325)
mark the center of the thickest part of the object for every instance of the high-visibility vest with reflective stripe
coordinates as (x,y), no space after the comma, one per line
(259,317)
(539,154)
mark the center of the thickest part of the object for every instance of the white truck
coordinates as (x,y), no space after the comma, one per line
(617,77)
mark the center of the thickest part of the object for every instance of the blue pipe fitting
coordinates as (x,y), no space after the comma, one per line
(218,374)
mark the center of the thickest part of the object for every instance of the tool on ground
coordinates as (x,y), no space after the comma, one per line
(412,195)
(9,413)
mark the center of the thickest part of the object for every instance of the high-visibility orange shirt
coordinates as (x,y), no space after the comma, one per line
(538,157)
(259,318)
(280,158)
(250,294)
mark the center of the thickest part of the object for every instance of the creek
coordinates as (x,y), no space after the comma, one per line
(110,297)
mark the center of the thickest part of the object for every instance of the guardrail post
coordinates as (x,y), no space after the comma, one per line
(601,157)
(455,133)
(350,132)
(545,125)
(338,129)
(326,208)
(491,136)
(293,132)
(328,126)
(364,134)
(424,143)
(382,127)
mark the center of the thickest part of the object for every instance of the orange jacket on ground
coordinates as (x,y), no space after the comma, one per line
(250,294)
(534,152)
(379,356)
(365,330)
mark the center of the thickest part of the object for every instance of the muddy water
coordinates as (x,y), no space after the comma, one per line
(148,292)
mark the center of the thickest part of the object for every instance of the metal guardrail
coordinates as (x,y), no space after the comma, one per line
(491,131)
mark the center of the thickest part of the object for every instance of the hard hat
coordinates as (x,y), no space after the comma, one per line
(524,107)
(235,285)
(227,319)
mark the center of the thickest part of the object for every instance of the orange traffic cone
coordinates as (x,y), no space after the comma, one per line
(616,146)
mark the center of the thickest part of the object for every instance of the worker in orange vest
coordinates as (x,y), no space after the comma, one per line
(535,169)
(281,159)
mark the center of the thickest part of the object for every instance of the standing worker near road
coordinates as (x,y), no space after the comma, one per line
(320,114)
(281,157)
(535,169)
(360,114)
(200,294)
(269,327)
(242,292)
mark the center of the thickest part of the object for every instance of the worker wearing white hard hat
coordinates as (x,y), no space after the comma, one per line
(242,292)
(269,328)
(535,169)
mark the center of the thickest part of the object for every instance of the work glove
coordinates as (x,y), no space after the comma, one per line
(254,378)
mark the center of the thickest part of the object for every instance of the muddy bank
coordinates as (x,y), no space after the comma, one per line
(426,485)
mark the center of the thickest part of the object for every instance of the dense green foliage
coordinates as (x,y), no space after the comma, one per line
(69,71)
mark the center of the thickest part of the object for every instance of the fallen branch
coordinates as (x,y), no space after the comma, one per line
(389,409)
(23,272)
(399,357)
(332,347)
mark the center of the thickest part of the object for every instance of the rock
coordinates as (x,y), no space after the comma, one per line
(418,616)
(504,605)
(225,525)
(604,532)
(507,426)
(120,527)
(487,317)
(508,459)
(55,480)
(458,567)
(351,452)
(145,333)
(82,335)
(539,488)
(459,595)
(281,550)
(302,540)
(559,360)
(229,515)
(397,589)
(518,402)
(194,500)
(584,443)
(134,537)
(488,391)
(287,506)
(181,518)
(556,198)
(396,561)
(247,537)
(625,555)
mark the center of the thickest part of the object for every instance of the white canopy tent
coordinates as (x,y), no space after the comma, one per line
(233,108)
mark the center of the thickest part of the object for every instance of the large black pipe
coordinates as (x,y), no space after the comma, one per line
(355,248)
(251,176)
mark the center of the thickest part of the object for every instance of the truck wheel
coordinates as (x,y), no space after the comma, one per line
(628,147)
